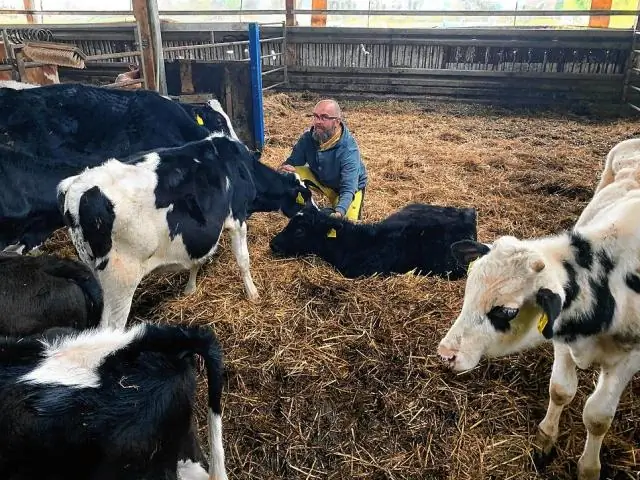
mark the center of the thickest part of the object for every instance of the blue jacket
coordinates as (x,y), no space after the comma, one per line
(339,168)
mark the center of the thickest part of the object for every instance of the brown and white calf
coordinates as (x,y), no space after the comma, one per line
(581,289)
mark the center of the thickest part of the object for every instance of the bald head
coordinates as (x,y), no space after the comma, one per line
(330,107)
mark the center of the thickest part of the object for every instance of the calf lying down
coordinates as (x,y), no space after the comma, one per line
(104,404)
(416,237)
(40,292)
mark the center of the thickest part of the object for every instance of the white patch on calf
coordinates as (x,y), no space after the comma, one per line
(216,461)
(73,361)
(189,470)
(215,106)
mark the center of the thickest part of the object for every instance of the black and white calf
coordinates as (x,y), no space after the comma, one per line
(40,292)
(105,404)
(168,209)
(52,132)
(417,237)
(581,289)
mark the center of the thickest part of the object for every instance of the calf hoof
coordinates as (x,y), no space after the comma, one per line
(545,442)
(189,290)
(588,472)
(253,296)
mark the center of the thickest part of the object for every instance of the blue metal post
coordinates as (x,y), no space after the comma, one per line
(255,52)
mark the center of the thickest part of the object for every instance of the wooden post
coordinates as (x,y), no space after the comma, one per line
(30,5)
(600,21)
(141,14)
(290,16)
(156,35)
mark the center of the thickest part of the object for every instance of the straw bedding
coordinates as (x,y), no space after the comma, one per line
(334,378)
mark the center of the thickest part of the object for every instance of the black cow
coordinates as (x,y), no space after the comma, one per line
(417,237)
(106,404)
(40,292)
(56,131)
(168,209)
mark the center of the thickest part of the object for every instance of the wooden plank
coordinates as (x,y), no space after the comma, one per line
(448,72)
(141,14)
(364,88)
(488,42)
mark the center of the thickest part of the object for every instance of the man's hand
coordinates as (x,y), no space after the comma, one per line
(286,168)
(336,215)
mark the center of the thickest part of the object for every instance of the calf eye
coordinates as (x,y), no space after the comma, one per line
(502,314)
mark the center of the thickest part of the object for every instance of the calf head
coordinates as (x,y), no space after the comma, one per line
(511,300)
(213,117)
(306,233)
(284,192)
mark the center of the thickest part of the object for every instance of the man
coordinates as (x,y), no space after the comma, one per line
(328,157)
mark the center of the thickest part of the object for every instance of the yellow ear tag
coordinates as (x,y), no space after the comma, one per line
(542,322)
(299,199)
(199,119)
(332,233)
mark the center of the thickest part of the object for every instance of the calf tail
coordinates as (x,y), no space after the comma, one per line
(201,341)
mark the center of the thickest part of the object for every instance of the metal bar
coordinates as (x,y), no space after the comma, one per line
(136,53)
(6,11)
(633,87)
(256,84)
(205,45)
(636,70)
(633,106)
(285,61)
(421,13)
(272,39)
(269,55)
(472,13)
(272,86)
(278,69)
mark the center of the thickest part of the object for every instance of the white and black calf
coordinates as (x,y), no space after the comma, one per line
(105,404)
(167,209)
(53,132)
(40,292)
(416,237)
(580,289)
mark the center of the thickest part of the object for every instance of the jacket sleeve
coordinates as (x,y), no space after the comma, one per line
(349,159)
(297,157)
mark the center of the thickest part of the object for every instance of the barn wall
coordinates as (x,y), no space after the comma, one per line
(498,66)
(509,66)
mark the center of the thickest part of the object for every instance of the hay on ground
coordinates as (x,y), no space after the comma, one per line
(331,378)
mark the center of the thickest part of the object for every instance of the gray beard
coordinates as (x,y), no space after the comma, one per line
(321,137)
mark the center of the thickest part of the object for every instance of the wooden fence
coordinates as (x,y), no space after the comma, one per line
(512,66)
(500,66)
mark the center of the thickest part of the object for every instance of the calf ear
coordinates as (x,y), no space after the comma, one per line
(466,251)
(551,303)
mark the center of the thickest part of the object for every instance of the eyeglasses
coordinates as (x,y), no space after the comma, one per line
(324,117)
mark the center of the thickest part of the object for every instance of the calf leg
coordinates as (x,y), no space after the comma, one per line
(240,250)
(599,410)
(119,281)
(562,389)
(191,283)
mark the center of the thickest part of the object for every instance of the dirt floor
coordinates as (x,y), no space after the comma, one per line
(331,378)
